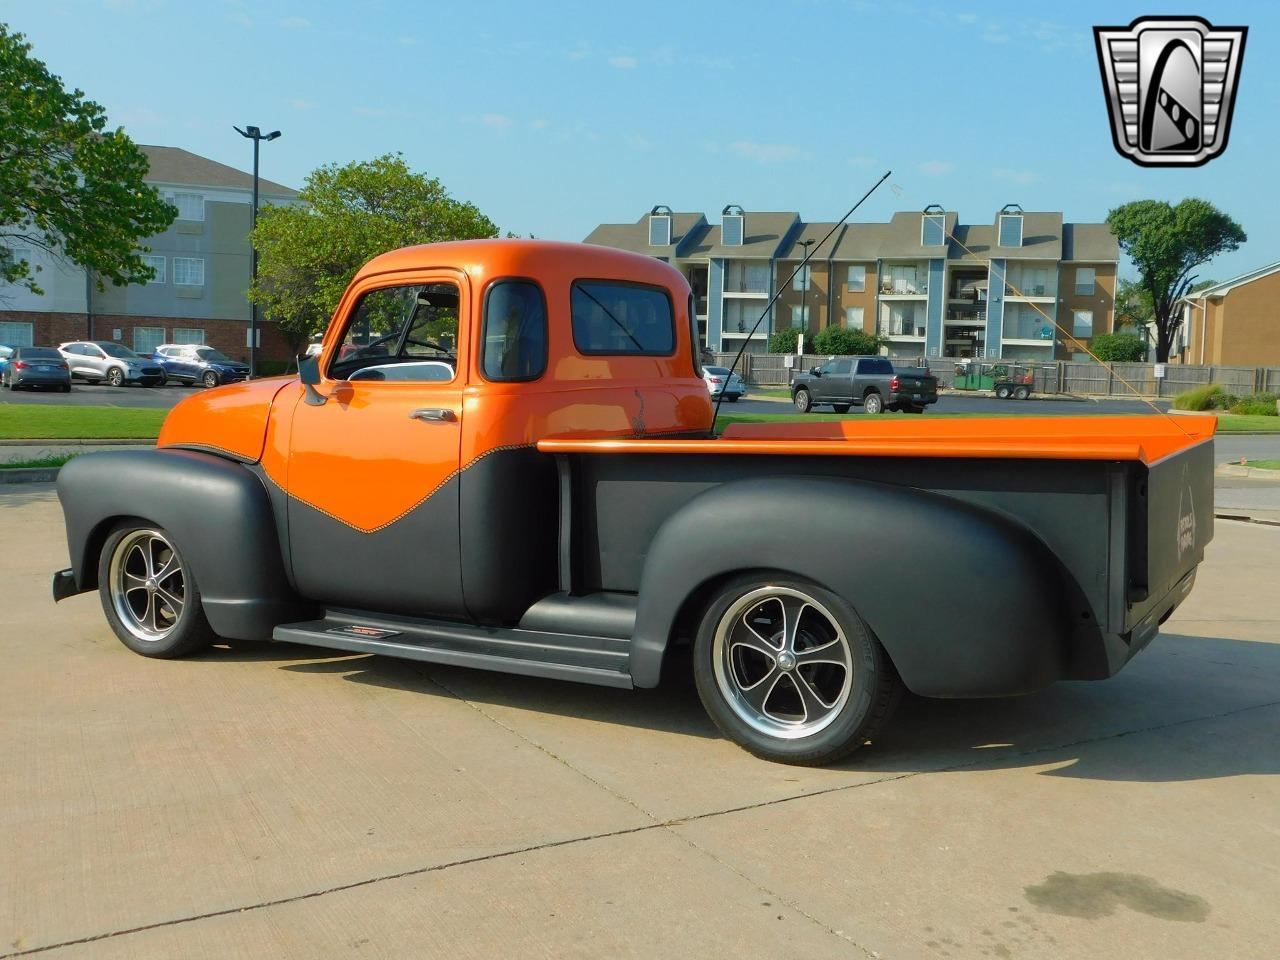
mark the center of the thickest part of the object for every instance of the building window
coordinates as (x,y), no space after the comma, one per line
(853,318)
(660,226)
(158,265)
(187,335)
(515,331)
(1010,230)
(611,317)
(1085,280)
(801,280)
(857,278)
(933,230)
(746,276)
(147,339)
(740,316)
(190,206)
(1082,323)
(14,255)
(16,334)
(901,279)
(1032,282)
(188,271)
(800,316)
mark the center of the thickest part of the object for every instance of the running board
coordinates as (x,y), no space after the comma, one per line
(530,653)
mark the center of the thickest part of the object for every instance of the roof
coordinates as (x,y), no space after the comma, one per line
(762,237)
(178,166)
(1089,242)
(816,232)
(685,227)
(1226,286)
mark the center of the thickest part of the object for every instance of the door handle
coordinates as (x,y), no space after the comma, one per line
(434,415)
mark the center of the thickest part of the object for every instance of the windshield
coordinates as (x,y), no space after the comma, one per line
(210,355)
(118,350)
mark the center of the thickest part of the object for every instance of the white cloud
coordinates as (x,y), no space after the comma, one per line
(496,121)
(766,152)
(538,124)
(967,17)
(862,160)
(935,168)
(580,52)
(1022,178)
(406,41)
(299,104)
(623,63)
(295,23)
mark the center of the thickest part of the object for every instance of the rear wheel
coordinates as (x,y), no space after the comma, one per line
(1002,392)
(148,594)
(210,379)
(840,407)
(66,388)
(1021,393)
(803,400)
(115,377)
(873,403)
(789,671)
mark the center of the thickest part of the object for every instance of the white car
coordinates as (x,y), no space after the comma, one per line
(98,360)
(719,380)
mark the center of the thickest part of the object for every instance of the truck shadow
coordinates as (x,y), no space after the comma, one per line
(1204,708)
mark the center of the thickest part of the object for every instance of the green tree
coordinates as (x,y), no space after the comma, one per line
(309,254)
(785,340)
(1166,242)
(1133,306)
(1119,347)
(68,185)
(844,341)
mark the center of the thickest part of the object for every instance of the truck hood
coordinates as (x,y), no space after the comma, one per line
(231,419)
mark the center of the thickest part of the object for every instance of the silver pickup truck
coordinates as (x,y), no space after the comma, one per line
(870,382)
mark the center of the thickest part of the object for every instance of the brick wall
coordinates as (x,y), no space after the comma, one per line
(226,335)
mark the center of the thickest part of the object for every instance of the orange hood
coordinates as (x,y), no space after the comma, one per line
(231,419)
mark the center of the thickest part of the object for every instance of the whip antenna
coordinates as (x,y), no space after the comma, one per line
(782,286)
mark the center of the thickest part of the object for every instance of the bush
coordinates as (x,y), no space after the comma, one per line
(274,368)
(1223,401)
(1258,405)
(841,341)
(1118,348)
(1201,398)
(785,340)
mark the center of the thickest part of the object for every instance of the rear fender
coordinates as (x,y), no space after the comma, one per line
(965,601)
(218,513)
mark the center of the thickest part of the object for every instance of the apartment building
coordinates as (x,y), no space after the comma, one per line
(1234,323)
(930,285)
(202,264)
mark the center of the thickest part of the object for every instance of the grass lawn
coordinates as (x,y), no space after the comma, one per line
(1226,424)
(53,461)
(22,421)
(781,392)
(1248,423)
(1265,464)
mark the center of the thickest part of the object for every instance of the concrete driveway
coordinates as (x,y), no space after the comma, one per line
(285,802)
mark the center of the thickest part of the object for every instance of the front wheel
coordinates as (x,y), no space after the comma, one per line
(1002,393)
(115,377)
(210,379)
(148,594)
(873,403)
(1022,393)
(803,400)
(789,671)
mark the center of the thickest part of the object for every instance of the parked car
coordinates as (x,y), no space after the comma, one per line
(6,352)
(719,380)
(196,363)
(36,367)
(870,382)
(550,499)
(98,360)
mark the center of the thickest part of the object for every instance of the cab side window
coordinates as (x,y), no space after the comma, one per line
(401,333)
(843,368)
(514,342)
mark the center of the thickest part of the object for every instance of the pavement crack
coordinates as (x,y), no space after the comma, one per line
(666,824)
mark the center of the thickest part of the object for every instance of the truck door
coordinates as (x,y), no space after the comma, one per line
(840,383)
(372,475)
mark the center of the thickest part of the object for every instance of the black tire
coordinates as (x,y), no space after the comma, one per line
(210,379)
(1021,393)
(1002,392)
(840,407)
(115,377)
(125,567)
(867,697)
(803,400)
(733,399)
(873,403)
(66,388)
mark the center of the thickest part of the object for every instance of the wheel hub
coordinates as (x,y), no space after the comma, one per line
(786,660)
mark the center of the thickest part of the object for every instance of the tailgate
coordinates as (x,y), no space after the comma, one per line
(1173,523)
(917,382)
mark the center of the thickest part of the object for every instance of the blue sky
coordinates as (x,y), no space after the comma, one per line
(554,117)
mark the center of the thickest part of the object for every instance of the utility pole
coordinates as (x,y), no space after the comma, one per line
(257,136)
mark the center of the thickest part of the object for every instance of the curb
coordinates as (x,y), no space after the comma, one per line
(29,475)
(1245,518)
(55,442)
(1236,470)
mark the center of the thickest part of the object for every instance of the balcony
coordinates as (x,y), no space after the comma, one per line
(744,278)
(903,287)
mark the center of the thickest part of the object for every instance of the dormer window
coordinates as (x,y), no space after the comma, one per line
(1011,226)
(933,226)
(732,225)
(660,226)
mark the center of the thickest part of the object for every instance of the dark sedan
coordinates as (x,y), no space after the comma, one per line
(196,363)
(36,367)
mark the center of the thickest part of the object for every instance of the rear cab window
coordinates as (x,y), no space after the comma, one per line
(514,340)
(875,365)
(617,318)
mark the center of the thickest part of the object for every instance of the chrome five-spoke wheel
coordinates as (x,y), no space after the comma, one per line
(148,586)
(782,662)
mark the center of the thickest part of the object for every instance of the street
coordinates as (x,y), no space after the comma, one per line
(277,801)
(101,395)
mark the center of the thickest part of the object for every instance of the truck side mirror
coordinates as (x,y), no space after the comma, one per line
(815,371)
(309,373)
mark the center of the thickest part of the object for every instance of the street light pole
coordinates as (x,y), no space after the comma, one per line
(806,274)
(257,136)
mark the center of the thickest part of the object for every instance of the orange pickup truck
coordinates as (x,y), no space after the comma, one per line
(503,457)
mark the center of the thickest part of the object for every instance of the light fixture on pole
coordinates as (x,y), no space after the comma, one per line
(804,283)
(257,136)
